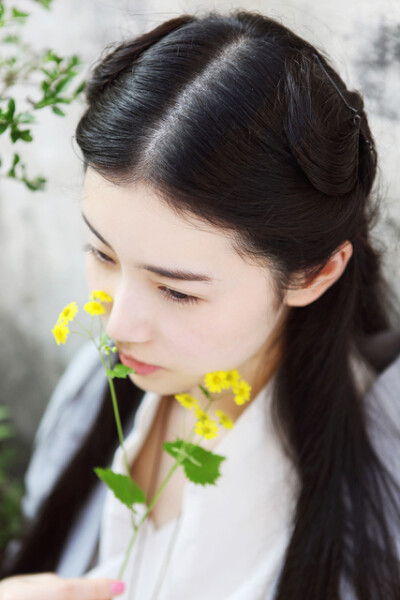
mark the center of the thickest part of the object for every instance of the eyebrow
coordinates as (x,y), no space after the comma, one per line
(168,273)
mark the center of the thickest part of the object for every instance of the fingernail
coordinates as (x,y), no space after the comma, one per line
(117,587)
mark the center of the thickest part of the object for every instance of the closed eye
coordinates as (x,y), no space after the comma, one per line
(172,295)
(177,296)
(98,254)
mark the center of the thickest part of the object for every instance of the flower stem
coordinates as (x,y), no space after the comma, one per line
(118,423)
(146,514)
(115,409)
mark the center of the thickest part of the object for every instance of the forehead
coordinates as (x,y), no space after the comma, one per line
(140,226)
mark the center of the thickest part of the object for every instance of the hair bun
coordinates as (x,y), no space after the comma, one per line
(322,128)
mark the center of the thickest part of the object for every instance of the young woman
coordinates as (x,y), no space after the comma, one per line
(228,205)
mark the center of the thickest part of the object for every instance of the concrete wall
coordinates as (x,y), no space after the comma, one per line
(41,238)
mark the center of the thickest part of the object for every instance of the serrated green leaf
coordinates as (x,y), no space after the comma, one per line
(120,371)
(124,488)
(201,466)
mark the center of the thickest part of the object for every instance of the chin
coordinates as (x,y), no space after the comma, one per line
(164,388)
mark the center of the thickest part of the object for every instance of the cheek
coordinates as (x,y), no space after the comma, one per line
(223,336)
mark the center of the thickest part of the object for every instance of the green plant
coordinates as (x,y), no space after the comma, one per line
(49,75)
(11,489)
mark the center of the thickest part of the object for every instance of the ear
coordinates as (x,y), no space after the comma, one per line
(311,290)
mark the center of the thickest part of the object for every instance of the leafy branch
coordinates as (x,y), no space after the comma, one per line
(51,77)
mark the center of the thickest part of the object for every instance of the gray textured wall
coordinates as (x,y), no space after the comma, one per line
(41,240)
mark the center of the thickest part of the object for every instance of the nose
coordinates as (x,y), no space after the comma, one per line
(129,319)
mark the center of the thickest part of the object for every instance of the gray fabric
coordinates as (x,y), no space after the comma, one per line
(70,413)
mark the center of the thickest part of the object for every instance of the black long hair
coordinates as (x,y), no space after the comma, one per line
(236,120)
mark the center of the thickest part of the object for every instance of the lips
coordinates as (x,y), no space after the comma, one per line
(138,366)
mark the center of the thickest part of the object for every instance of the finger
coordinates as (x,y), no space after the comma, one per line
(48,586)
(89,589)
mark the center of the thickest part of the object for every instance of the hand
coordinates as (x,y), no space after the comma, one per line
(48,586)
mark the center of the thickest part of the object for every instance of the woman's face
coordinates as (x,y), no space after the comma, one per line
(220,320)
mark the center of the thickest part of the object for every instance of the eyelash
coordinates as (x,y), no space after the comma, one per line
(169,294)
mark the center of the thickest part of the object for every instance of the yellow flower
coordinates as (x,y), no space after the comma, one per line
(186,400)
(94,308)
(100,295)
(224,420)
(60,333)
(68,313)
(216,381)
(232,377)
(242,392)
(201,415)
(207,429)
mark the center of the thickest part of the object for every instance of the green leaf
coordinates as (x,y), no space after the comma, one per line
(45,3)
(62,84)
(205,392)
(3,127)
(58,111)
(4,413)
(25,135)
(46,102)
(200,465)
(17,14)
(25,117)
(124,488)
(51,56)
(47,73)
(6,431)
(10,109)
(35,184)
(104,339)
(79,89)
(20,134)
(121,371)
(11,39)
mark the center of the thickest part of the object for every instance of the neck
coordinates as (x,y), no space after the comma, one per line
(256,374)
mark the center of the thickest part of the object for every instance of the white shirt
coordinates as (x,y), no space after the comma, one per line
(230,538)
